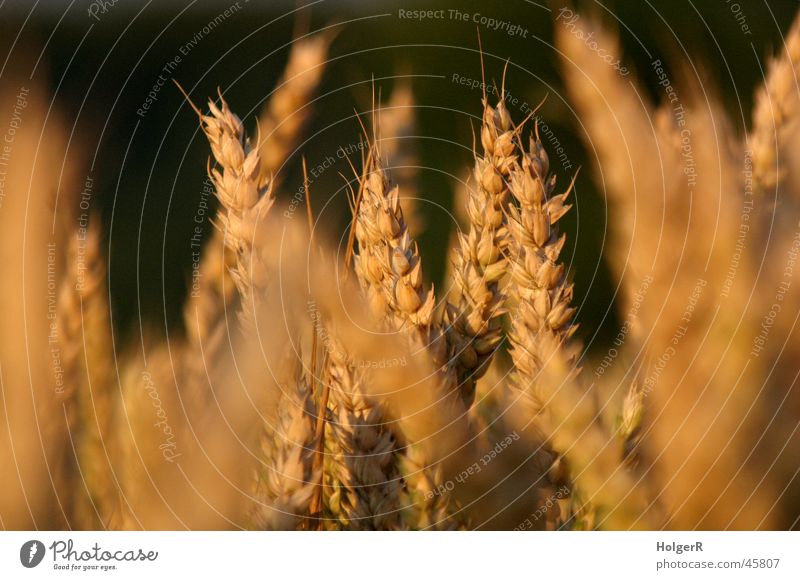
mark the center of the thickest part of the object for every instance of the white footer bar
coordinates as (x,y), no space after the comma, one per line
(401,555)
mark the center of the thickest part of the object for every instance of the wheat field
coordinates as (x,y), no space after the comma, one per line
(322,381)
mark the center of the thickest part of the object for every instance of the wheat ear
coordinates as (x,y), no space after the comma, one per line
(244,196)
(225,282)
(363,452)
(473,315)
(229,282)
(398,128)
(539,284)
(286,114)
(70,341)
(84,337)
(776,107)
(286,486)
(280,127)
(388,263)
(390,270)
(544,361)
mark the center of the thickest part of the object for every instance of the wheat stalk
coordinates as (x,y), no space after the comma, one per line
(713,274)
(205,316)
(539,286)
(225,267)
(280,127)
(389,268)
(140,462)
(388,263)
(70,340)
(97,400)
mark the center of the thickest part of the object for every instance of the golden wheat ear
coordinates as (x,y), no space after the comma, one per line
(222,286)
(36,457)
(774,143)
(289,480)
(288,109)
(388,263)
(660,151)
(545,372)
(775,115)
(389,268)
(245,198)
(398,134)
(476,304)
(365,482)
(396,421)
(85,341)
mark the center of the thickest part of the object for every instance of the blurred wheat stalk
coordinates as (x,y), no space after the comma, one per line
(316,391)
